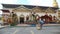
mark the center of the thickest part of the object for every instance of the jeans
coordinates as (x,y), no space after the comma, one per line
(41,25)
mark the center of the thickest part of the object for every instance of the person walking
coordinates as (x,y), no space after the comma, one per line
(41,21)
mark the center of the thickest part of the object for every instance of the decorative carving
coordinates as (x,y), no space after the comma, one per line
(37,9)
(50,10)
(21,8)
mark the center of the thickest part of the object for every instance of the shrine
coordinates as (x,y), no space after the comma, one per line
(29,14)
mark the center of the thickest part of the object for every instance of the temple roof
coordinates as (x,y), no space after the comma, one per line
(27,6)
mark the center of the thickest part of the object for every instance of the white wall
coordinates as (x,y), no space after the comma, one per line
(27,13)
(42,14)
(0,12)
(24,13)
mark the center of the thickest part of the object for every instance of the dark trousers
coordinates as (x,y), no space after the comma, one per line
(41,25)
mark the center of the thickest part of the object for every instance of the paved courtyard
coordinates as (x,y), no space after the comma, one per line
(30,30)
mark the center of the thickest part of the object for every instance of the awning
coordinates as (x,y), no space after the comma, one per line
(5,11)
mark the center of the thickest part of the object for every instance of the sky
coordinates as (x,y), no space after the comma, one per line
(29,2)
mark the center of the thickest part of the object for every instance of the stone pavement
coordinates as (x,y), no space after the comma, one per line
(29,25)
(31,30)
(35,25)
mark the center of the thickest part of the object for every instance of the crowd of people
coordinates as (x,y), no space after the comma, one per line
(35,18)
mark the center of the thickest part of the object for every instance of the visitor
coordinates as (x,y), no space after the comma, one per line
(41,21)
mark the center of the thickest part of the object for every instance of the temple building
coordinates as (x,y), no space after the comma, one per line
(30,12)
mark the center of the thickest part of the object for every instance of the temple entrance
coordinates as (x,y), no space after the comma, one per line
(22,19)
